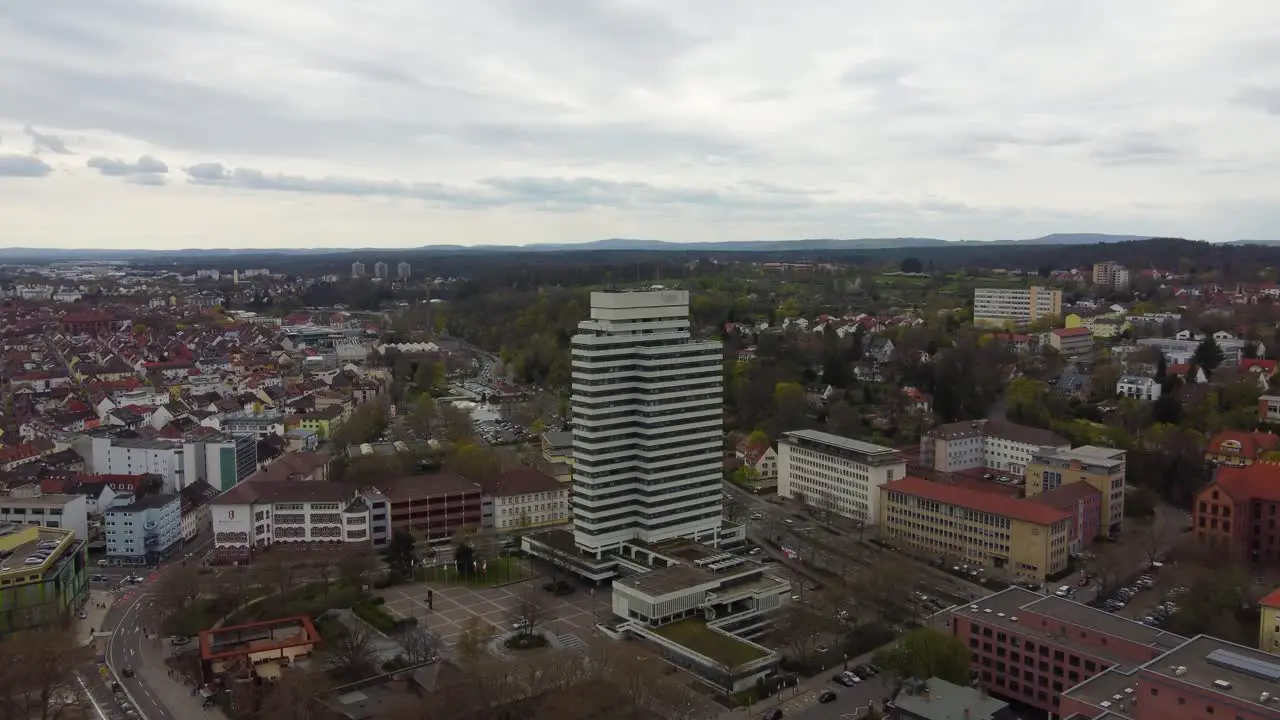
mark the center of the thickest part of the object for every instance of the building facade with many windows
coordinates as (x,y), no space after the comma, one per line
(44,577)
(144,531)
(836,474)
(647,426)
(1101,467)
(986,444)
(1019,539)
(999,307)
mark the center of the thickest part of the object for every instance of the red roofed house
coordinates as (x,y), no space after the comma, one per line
(762,458)
(1236,448)
(1238,513)
(1071,341)
(86,323)
(1257,365)
(1012,538)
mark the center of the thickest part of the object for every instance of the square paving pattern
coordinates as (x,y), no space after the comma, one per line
(454,605)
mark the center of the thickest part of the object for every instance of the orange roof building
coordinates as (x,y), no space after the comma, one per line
(1239,513)
(1011,538)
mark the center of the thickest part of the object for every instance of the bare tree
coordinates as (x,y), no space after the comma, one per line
(178,590)
(802,629)
(37,677)
(355,567)
(351,654)
(530,611)
(471,640)
(1159,535)
(418,643)
(276,570)
(290,697)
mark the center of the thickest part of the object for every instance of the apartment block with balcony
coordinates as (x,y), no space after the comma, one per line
(1071,342)
(1004,307)
(145,531)
(836,474)
(1017,538)
(1101,467)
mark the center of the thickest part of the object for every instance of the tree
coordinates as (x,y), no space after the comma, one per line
(790,406)
(475,631)
(351,654)
(456,423)
(290,696)
(175,593)
(355,567)
(422,415)
(464,559)
(1208,355)
(531,608)
(276,569)
(1162,373)
(911,265)
(802,628)
(1158,535)
(419,645)
(401,556)
(36,678)
(476,463)
(924,653)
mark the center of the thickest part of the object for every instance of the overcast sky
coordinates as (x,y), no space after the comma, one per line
(277,123)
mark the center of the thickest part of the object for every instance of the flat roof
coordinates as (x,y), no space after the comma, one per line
(667,580)
(721,647)
(14,566)
(1104,622)
(844,443)
(1091,454)
(937,699)
(146,502)
(257,637)
(42,500)
(1204,660)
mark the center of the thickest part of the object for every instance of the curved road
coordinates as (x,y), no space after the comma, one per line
(128,648)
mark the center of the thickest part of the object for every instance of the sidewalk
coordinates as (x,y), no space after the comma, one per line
(85,627)
(173,692)
(818,682)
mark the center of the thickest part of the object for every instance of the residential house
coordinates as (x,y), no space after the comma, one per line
(762,459)
(1237,448)
(1138,388)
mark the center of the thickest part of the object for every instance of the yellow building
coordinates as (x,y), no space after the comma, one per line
(557,451)
(1269,623)
(1020,539)
(1101,467)
(1005,307)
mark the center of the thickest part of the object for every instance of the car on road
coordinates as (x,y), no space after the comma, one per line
(772,714)
(126,671)
(180,640)
(827,696)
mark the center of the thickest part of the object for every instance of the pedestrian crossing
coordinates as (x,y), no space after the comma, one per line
(571,642)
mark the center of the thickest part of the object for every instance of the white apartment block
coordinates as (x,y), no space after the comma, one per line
(647,427)
(1178,351)
(31,507)
(997,307)
(986,445)
(1138,388)
(1111,274)
(836,474)
(222,462)
(523,499)
(258,514)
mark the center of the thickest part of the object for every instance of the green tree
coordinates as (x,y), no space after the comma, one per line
(476,463)
(422,414)
(911,265)
(400,555)
(790,405)
(429,375)
(1208,355)
(1162,372)
(924,653)
(757,439)
(464,558)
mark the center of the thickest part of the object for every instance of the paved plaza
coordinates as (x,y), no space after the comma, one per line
(572,617)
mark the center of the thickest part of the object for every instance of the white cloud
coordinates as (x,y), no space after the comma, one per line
(561,120)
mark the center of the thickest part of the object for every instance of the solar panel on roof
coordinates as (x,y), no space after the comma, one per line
(1250,666)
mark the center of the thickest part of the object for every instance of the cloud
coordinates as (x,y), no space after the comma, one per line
(23,166)
(41,141)
(114,167)
(584,118)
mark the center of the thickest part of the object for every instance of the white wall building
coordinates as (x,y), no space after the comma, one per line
(647,427)
(1138,388)
(222,462)
(1001,447)
(69,512)
(836,474)
(144,531)
(523,499)
(995,307)
(258,514)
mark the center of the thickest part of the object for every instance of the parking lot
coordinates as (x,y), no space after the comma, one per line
(571,618)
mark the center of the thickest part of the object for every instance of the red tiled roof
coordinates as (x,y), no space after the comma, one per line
(1260,481)
(1271,599)
(1252,444)
(1267,366)
(1071,332)
(1015,508)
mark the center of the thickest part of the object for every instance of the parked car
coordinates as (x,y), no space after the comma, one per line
(827,696)
(842,679)
(772,714)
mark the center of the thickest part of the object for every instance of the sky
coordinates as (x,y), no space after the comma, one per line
(168,124)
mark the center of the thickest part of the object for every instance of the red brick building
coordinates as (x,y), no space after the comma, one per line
(1238,513)
(1079,663)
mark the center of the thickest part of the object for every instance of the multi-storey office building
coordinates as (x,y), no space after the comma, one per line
(32,507)
(998,307)
(836,474)
(986,444)
(1079,663)
(1111,274)
(1101,467)
(647,427)
(145,531)
(43,576)
(1019,538)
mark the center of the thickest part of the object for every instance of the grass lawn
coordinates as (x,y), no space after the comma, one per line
(500,571)
(695,635)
